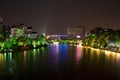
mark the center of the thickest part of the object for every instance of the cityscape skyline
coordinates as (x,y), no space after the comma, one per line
(56,16)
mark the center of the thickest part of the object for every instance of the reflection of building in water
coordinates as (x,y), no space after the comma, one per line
(11,64)
(78,54)
(8,63)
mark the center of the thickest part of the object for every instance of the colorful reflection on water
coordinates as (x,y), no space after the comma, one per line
(104,63)
(79,53)
(60,61)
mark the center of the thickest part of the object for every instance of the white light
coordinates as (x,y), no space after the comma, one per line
(43,34)
(78,36)
(56,43)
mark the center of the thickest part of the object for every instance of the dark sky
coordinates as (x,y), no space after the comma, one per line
(55,16)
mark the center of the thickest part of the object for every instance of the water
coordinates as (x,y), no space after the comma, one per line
(60,62)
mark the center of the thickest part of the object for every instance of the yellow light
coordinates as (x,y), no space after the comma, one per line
(56,43)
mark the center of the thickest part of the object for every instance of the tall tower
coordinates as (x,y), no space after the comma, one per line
(1,20)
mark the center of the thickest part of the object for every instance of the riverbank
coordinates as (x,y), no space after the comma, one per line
(22,48)
(112,49)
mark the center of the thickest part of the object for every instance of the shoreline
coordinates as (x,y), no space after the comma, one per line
(103,49)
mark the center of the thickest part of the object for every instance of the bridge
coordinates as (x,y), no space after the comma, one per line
(59,37)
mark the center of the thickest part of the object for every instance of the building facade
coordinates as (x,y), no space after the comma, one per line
(76,32)
(17,30)
(28,31)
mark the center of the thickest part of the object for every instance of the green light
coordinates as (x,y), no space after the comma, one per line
(10,56)
(34,50)
(42,50)
(5,56)
(20,43)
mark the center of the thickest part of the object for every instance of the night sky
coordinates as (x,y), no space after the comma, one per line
(55,16)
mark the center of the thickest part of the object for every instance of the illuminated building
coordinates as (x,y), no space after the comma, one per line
(34,35)
(18,30)
(28,31)
(73,32)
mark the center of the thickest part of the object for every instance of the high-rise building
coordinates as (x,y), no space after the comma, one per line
(78,31)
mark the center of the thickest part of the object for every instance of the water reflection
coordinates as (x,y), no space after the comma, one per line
(2,64)
(63,58)
(25,55)
(79,52)
(58,55)
(109,56)
(102,61)
(1,58)
(112,57)
(63,52)
(7,65)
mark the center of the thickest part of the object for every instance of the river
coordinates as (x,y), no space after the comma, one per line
(60,62)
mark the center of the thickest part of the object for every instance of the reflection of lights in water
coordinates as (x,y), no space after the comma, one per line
(1,57)
(57,56)
(11,65)
(42,50)
(97,51)
(118,57)
(25,53)
(54,49)
(34,55)
(2,63)
(56,43)
(34,51)
(10,56)
(54,53)
(5,56)
(91,52)
(57,49)
(108,54)
(38,50)
(112,56)
(78,53)
(63,48)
